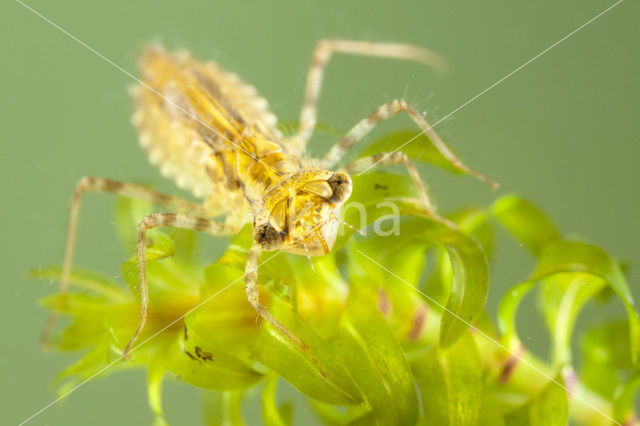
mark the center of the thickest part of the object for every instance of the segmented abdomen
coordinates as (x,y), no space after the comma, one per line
(208,131)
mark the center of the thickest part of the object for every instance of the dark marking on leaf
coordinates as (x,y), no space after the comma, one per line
(419,322)
(206,356)
(380,186)
(190,355)
(509,366)
(384,304)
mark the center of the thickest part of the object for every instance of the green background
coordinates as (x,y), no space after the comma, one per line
(563,132)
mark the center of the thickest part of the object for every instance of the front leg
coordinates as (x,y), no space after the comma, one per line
(253,295)
(386,111)
(172,220)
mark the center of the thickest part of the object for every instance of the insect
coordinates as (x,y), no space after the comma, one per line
(215,137)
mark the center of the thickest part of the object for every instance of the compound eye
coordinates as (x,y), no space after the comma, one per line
(267,237)
(340,184)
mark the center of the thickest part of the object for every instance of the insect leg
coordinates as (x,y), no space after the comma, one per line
(95,184)
(321,55)
(397,157)
(167,220)
(387,111)
(253,295)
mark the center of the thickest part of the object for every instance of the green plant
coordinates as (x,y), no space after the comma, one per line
(387,320)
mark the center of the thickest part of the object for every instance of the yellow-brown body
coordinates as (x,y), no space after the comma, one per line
(215,137)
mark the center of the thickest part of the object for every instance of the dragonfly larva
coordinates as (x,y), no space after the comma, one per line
(215,137)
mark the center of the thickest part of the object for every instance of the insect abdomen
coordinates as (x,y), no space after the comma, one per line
(206,129)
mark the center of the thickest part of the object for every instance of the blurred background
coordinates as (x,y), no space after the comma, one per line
(563,132)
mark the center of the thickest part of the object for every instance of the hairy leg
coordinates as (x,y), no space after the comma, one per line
(321,55)
(166,220)
(251,285)
(384,112)
(253,295)
(95,184)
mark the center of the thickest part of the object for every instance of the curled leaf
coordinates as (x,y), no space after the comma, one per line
(470,275)
(319,373)
(569,256)
(562,297)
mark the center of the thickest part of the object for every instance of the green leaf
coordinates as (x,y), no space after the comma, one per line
(526,222)
(474,221)
(91,364)
(320,297)
(159,245)
(199,362)
(397,294)
(360,324)
(331,415)
(470,275)
(370,201)
(87,280)
(225,319)
(318,372)
(75,304)
(469,288)
(376,362)
(568,256)
(470,285)
(80,334)
(549,407)
(450,383)
(278,277)
(186,244)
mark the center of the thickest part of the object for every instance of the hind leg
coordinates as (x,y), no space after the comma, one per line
(172,220)
(95,184)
